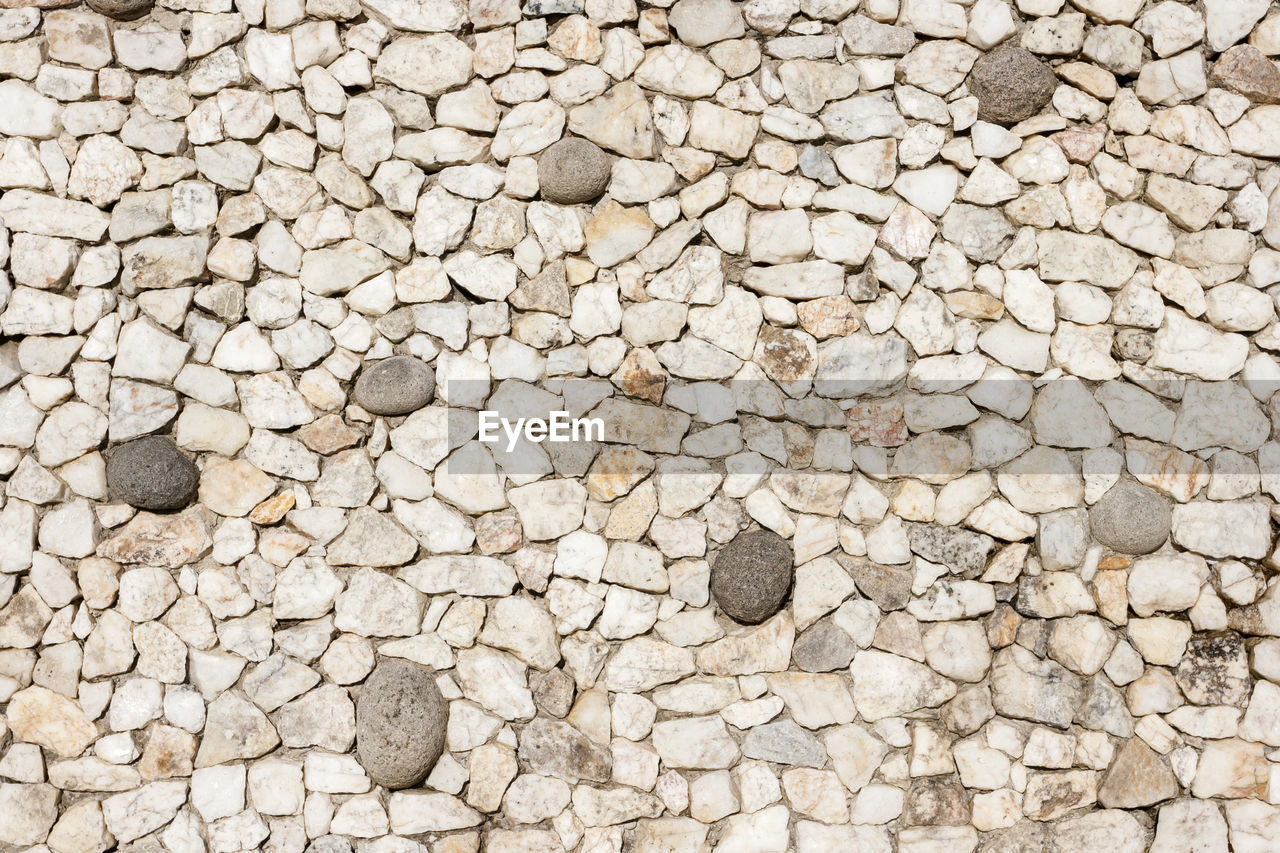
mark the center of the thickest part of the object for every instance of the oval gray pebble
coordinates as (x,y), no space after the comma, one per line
(121,10)
(1011,85)
(1130,518)
(395,386)
(573,171)
(152,473)
(752,576)
(400,723)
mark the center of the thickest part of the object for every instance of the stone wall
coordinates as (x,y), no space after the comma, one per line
(933,345)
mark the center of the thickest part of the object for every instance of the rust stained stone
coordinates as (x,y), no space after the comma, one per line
(1246,70)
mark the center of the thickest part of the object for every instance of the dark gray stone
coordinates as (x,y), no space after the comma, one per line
(752,576)
(395,386)
(784,742)
(400,723)
(824,648)
(152,473)
(573,171)
(1130,518)
(1011,85)
(121,10)
(557,749)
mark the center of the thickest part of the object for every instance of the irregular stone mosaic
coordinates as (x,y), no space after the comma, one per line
(582,426)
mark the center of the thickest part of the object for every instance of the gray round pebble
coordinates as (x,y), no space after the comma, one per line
(400,723)
(1011,85)
(573,171)
(752,576)
(1130,519)
(152,473)
(121,10)
(395,386)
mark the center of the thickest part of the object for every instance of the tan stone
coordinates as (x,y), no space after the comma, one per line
(171,541)
(38,715)
(1137,778)
(829,316)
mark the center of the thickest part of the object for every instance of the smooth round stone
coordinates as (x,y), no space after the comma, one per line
(752,576)
(121,10)
(573,171)
(1011,85)
(395,386)
(1130,519)
(152,473)
(400,723)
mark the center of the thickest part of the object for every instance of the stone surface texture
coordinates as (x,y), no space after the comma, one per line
(922,366)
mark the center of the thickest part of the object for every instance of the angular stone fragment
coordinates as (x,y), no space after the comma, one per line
(400,723)
(695,742)
(1028,688)
(234,729)
(171,541)
(823,648)
(558,749)
(888,586)
(372,539)
(1214,670)
(377,605)
(162,262)
(1137,778)
(30,811)
(423,16)
(35,213)
(429,65)
(704,22)
(751,576)
(618,120)
(1223,528)
(38,715)
(962,551)
(1246,70)
(888,685)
